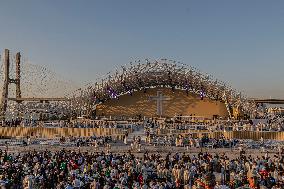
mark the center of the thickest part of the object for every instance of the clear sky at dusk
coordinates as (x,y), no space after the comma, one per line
(241,42)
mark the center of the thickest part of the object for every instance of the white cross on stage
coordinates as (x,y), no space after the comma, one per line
(159,98)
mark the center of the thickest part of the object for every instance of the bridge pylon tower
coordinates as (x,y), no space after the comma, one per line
(8,81)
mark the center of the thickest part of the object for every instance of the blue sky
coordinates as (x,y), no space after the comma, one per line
(241,42)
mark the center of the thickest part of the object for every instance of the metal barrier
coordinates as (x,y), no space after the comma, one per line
(40,132)
(254,135)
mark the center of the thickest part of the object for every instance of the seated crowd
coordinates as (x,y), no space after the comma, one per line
(70,170)
(188,141)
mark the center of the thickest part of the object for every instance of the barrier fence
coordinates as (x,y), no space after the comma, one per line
(254,135)
(40,132)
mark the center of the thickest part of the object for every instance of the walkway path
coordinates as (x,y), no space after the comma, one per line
(137,132)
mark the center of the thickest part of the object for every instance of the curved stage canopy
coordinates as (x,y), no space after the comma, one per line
(142,76)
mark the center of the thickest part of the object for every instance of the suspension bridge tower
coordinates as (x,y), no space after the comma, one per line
(8,81)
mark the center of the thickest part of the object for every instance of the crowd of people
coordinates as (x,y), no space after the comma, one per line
(191,142)
(88,141)
(69,170)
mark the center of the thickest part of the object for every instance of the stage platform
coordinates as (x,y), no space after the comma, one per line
(178,103)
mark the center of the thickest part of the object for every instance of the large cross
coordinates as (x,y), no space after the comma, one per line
(159,98)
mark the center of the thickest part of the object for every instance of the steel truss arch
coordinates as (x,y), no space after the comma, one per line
(142,75)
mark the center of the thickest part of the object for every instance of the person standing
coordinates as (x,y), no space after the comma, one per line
(125,140)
